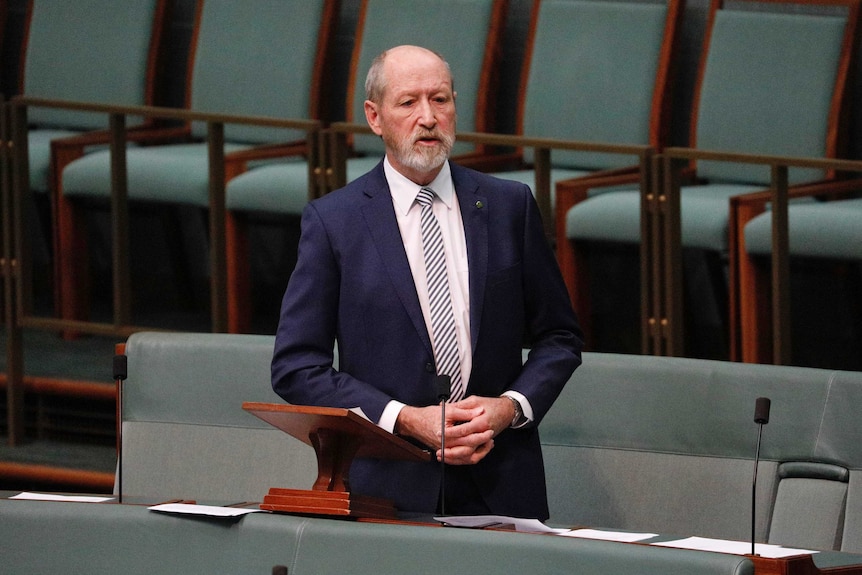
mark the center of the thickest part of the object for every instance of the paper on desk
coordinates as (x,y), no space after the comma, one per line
(208,510)
(52,497)
(491,521)
(620,536)
(734,547)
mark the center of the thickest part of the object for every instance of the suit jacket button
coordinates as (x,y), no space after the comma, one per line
(429,367)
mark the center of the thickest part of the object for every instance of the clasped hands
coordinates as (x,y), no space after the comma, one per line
(471,425)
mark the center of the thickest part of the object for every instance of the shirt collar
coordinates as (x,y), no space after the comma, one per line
(404,190)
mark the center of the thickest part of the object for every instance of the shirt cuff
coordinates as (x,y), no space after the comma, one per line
(525,406)
(390,415)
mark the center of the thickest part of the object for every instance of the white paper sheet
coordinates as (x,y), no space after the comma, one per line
(621,536)
(208,510)
(52,497)
(734,547)
(492,521)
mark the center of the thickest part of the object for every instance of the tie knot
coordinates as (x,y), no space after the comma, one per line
(425,197)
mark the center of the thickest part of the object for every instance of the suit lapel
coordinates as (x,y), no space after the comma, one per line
(474,213)
(379,215)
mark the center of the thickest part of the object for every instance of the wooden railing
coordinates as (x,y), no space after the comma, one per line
(668,281)
(16,258)
(659,180)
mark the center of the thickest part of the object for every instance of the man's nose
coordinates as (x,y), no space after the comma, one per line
(427,117)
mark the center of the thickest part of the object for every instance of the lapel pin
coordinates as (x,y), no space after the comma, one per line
(479,204)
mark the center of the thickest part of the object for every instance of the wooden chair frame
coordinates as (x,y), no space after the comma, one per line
(678,165)
(73,292)
(760,295)
(18,292)
(572,259)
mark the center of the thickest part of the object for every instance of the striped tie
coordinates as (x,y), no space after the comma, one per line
(440,300)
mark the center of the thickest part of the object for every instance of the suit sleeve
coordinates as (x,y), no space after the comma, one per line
(554,336)
(303,370)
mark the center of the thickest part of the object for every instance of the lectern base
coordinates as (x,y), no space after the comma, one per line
(339,503)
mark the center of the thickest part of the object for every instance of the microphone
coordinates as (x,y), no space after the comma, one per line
(444,391)
(761,418)
(121,372)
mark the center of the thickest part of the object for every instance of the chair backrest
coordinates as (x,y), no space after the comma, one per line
(809,505)
(262,58)
(185,433)
(766,86)
(466,33)
(103,51)
(599,71)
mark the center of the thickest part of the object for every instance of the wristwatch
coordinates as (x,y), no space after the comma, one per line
(518,418)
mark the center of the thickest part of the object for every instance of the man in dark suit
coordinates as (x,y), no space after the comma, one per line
(361,281)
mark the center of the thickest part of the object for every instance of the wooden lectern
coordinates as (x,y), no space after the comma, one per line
(337,436)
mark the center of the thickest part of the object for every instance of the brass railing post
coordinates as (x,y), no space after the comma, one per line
(15,428)
(781,338)
(672,320)
(650,255)
(542,166)
(218,257)
(120,222)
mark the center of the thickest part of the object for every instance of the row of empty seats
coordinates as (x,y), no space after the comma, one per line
(594,71)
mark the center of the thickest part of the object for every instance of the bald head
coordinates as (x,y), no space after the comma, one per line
(411,105)
(405,57)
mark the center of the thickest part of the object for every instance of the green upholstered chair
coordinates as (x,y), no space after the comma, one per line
(179,441)
(809,506)
(95,51)
(595,71)
(101,51)
(828,233)
(467,33)
(763,87)
(263,58)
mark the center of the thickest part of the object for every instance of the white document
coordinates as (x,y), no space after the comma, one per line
(500,521)
(621,536)
(52,497)
(734,547)
(208,510)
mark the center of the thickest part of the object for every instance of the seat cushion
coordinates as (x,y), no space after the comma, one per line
(281,188)
(816,229)
(176,174)
(615,216)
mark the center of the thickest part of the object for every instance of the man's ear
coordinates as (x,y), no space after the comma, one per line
(373,117)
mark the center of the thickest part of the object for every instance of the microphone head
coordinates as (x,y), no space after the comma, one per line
(121,369)
(761,410)
(444,387)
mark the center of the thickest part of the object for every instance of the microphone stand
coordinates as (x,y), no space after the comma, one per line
(443,394)
(121,372)
(761,417)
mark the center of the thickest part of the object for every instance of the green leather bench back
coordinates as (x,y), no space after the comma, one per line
(663,445)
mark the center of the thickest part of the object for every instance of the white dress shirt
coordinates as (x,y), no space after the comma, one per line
(448,213)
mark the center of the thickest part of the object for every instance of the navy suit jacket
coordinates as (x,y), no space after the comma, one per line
(352,285)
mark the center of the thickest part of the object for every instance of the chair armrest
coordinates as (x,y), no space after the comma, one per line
(237,162)
(269,151)
(574,191)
